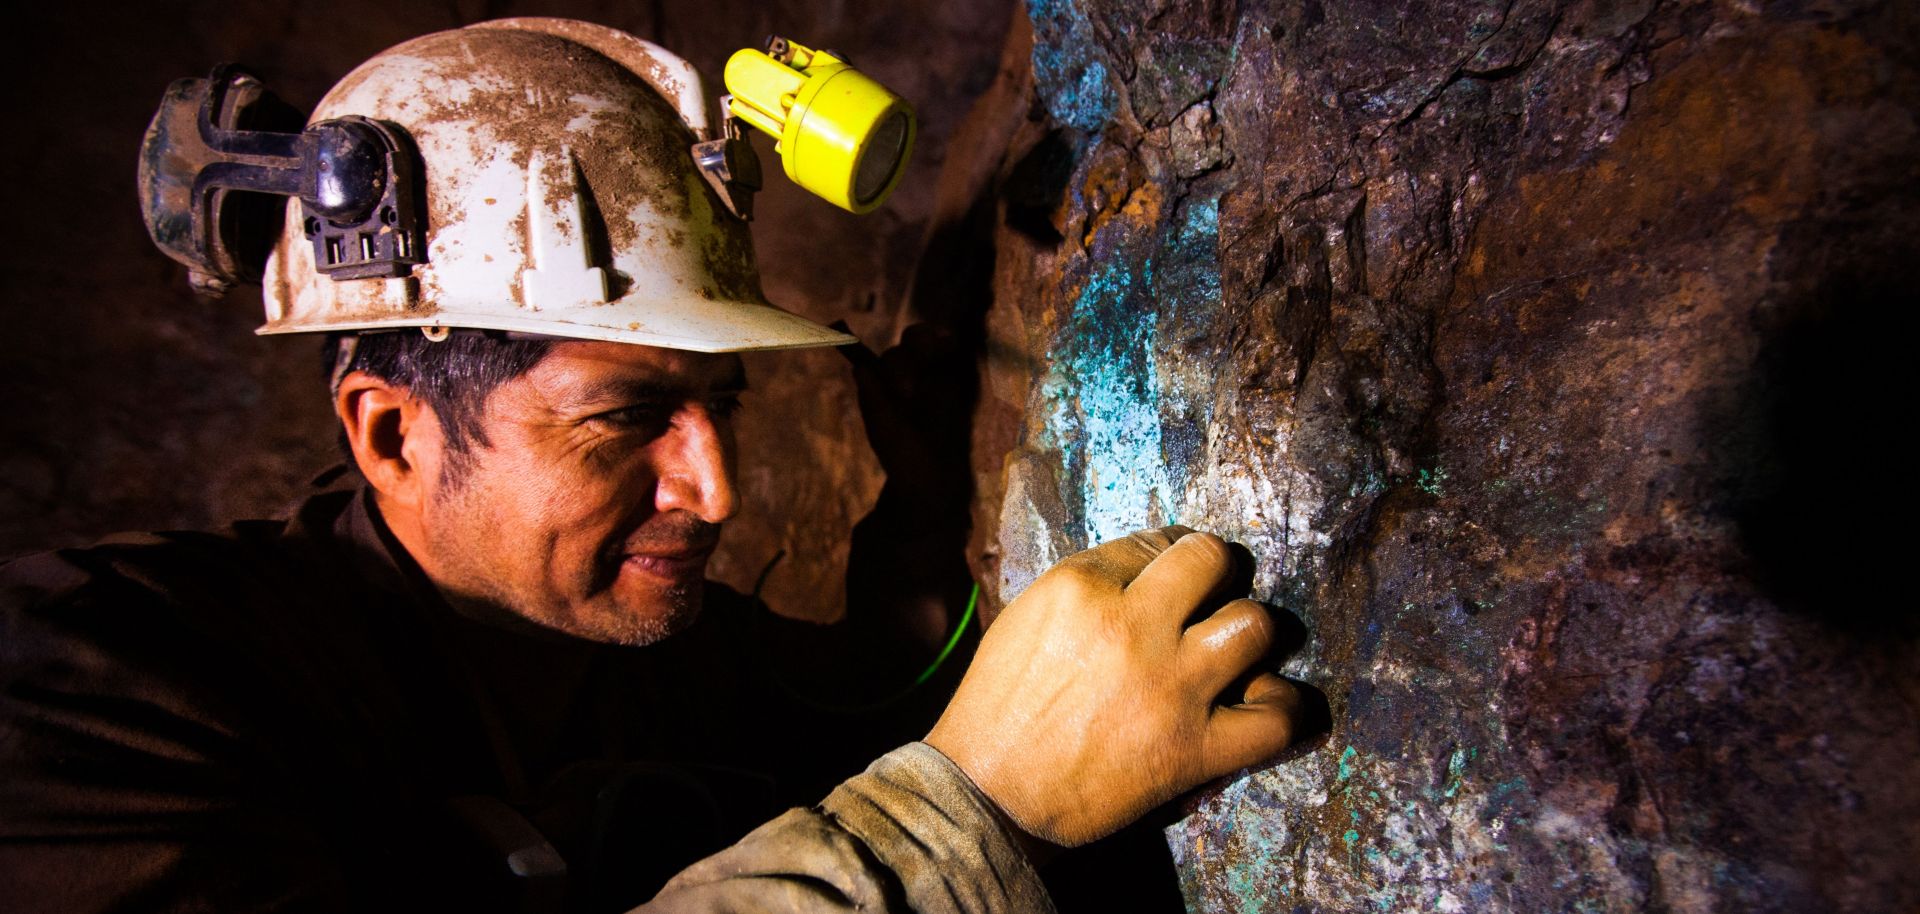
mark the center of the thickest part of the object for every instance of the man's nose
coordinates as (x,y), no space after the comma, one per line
(696,467)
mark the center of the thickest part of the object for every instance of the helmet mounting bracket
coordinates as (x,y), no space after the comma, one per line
(729,163)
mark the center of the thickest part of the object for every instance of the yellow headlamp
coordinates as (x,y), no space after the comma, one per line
(840,135)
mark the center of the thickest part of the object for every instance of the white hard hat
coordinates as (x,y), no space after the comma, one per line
(561,198)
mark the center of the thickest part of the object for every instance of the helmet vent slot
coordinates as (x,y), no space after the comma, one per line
(563,274)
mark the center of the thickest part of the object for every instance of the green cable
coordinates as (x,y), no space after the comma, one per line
(952,642)
(973,600)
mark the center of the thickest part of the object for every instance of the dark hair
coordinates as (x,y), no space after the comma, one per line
(453,377)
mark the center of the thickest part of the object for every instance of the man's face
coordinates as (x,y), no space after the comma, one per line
(599,496)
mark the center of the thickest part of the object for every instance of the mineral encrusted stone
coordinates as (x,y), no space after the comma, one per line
(1542,353)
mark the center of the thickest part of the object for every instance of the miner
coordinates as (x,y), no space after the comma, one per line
(483,670)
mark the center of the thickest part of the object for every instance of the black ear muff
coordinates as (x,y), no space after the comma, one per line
(222,151)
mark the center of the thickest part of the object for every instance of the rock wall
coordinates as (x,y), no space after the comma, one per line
(1534,348)
(133,405)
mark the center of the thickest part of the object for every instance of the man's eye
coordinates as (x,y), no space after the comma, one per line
(636,417)
(657,416)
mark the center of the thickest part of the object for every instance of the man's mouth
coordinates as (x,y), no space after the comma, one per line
(671,548)
(675,563)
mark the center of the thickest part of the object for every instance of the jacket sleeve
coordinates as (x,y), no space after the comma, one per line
(911,833)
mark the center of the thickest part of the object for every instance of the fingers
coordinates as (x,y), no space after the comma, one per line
(1182,577)
(1254,730)
(1217,649)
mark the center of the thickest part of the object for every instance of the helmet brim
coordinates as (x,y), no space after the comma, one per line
(694,324)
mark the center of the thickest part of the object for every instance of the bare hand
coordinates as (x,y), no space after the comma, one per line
(1087,705)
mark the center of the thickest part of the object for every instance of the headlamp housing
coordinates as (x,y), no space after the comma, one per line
(840,134)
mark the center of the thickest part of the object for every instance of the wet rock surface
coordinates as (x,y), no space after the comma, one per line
(1535,349)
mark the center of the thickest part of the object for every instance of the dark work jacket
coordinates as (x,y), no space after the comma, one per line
(287,716)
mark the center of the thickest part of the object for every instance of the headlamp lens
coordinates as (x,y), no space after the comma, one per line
(881,159)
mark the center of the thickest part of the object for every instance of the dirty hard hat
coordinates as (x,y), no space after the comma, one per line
(556,194)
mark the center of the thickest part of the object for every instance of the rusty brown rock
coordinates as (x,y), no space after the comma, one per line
(1535,348)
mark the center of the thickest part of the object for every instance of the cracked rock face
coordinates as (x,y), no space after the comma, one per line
(1533,349)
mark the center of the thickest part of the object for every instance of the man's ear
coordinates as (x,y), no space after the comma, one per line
(395,438)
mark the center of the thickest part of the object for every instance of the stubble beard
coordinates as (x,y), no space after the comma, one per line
(603,618)
(647,617)
(681,604)
(663,610)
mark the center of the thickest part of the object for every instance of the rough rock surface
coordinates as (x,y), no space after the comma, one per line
(1533,347)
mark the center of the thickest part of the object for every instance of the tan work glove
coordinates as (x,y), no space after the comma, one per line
(1089,703)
